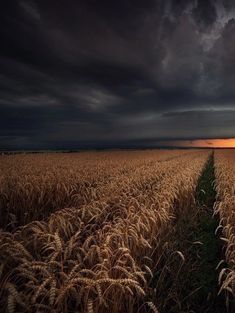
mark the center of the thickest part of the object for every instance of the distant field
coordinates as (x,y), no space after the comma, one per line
(121,231)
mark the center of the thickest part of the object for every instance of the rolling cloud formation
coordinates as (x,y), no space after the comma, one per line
(88,72)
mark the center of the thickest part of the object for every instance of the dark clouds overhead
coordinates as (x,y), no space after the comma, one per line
(89,72)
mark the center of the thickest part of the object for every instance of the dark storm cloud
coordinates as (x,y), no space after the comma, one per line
(205,13)
(102,72)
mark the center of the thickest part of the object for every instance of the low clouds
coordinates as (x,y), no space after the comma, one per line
(102,73)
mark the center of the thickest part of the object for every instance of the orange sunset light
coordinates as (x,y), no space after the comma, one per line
(206,143)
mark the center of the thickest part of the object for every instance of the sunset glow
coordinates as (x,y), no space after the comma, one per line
(206,143)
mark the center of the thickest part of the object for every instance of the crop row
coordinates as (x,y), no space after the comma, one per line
(99,256)
(225,207)
(33,187)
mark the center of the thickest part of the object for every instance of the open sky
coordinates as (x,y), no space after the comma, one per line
(116,73)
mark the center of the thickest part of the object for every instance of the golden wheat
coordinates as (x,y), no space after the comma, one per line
(89,256)
(225,207)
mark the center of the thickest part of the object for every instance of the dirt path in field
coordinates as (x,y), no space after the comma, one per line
(189,278)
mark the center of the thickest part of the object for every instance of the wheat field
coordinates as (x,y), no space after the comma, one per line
(225,207)
(88,232)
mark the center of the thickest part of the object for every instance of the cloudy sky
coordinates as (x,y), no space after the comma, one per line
(103,72)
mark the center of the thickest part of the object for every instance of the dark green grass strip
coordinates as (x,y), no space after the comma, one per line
(210,251)
(192,285)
